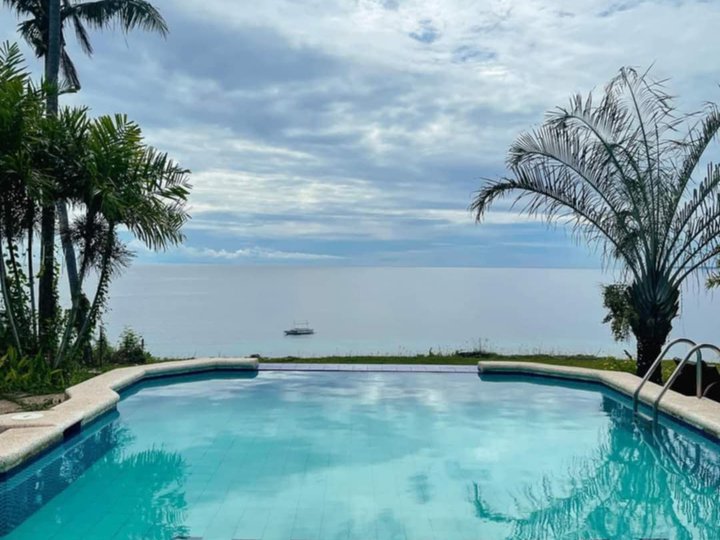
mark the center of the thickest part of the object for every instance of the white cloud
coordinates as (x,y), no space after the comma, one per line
(247,253)
(253,253)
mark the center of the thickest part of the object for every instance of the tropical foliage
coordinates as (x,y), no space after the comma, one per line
(29,374)
(619,311)
(42,26)
(117,186)
(623,171)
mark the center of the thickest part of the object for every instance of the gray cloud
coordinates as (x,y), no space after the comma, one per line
(360,129)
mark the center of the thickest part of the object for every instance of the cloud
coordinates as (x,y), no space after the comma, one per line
(361,129)
(254,253)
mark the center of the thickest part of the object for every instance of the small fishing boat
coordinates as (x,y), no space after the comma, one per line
(300,329)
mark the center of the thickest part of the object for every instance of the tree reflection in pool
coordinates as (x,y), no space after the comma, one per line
(680,492)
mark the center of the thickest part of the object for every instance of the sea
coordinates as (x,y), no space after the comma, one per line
(219,310)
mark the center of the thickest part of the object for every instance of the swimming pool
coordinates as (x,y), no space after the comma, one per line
(362,455)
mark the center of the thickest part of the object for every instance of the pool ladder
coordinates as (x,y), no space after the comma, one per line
(696,351)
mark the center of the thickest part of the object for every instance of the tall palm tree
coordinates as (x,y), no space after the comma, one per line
(98,14)
(43,29)
(118,185)
(621,173)
(119,182)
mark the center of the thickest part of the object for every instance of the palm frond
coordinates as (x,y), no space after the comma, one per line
(80,32)
(69,71)
(23,8)
(100,14)
(12,63)
(554,196)
(33,35)
(693,219)
(127,14)
(601,131)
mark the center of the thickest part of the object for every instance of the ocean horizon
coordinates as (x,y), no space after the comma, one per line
(223,310)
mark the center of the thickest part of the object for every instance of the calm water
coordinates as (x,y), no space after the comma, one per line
(225,310)
(369,456)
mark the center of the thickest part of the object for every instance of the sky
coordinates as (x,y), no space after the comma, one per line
(355,132)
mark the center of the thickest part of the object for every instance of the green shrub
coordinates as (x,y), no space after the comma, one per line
(30,374)
(130,349)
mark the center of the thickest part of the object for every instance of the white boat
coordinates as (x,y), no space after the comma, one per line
(300,329)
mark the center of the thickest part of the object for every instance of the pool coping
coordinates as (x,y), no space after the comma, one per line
(702,414)
(23,439)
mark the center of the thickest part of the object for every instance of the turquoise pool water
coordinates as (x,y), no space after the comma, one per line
(327,455)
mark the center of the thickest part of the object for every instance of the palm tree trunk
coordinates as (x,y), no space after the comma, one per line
(31,280)
(46,293)
(101,286)
(52,56)
(68,250)
(47,308)
(11,250)
(52,75)
(649,347)
(7,301)
(84,326)
(655,302)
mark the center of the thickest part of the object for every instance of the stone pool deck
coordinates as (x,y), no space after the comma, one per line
(24,435)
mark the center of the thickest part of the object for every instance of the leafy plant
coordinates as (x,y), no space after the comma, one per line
(28,374)
(130,349)
(620,311)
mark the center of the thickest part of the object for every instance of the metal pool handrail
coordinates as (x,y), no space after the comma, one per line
(697,350)
(654,366)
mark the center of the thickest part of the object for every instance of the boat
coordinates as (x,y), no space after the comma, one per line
(300,329)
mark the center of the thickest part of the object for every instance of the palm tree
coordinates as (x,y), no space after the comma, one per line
(99,14)
(43,28)
(117,184)
(21,114)
(118,181)
(618,171)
